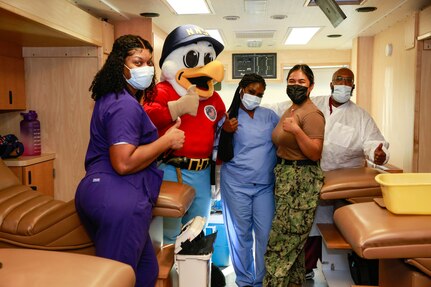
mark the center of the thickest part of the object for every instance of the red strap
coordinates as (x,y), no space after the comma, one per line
(330,105)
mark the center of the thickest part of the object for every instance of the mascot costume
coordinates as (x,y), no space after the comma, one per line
(186,91)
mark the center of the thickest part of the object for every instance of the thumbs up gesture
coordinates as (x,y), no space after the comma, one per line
(289,123)
(187,104)
(379,155)
(176,136)
(230,125)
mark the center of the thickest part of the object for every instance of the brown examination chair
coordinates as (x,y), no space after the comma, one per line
(32,267)
(351,184)
(344,187)
(402,243)
(32,220)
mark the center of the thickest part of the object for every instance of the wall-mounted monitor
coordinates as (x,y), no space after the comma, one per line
(331,9)
(264,64)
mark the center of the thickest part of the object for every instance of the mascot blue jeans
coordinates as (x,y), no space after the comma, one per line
(201,205)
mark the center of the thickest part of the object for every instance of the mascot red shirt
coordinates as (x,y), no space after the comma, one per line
(199,129)
(189,70)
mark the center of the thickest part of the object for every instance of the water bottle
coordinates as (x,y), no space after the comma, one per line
(30,133)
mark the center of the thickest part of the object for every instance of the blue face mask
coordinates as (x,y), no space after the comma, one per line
(342,93)
(250,102)
(141,77)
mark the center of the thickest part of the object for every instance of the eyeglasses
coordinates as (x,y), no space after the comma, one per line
(340,79)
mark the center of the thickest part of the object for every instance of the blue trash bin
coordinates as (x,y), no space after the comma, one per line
(221,254)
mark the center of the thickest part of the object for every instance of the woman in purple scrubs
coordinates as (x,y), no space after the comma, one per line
(115,198)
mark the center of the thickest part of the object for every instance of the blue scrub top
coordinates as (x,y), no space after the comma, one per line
(120,118)
(254,153)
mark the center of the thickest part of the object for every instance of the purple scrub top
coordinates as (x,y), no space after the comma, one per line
(119,118)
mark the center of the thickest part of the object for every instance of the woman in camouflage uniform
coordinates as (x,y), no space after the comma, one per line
(299,141)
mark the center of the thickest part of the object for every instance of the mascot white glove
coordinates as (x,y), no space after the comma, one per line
(187,104)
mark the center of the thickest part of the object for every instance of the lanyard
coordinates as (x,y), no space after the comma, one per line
(330,105)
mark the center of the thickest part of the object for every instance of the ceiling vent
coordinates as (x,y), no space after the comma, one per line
(254,43)
(255,6)
(263,34)
(231,18)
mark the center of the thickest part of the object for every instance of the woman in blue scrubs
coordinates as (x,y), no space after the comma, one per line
(115,198)
(247,179)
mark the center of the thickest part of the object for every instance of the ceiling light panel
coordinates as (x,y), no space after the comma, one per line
(300,35)
(192,7)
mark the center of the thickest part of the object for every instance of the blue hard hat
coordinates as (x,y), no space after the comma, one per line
(184,35)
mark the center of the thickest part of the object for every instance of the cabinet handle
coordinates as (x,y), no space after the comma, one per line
(10,98)
(29,177)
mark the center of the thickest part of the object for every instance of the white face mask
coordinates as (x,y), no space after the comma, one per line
(141,77)
(342,93)
(250,102)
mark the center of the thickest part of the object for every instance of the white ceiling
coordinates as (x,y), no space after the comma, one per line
(272,33)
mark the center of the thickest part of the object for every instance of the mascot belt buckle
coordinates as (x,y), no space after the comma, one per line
(201,163)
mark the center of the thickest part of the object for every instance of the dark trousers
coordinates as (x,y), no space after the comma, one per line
(313,252)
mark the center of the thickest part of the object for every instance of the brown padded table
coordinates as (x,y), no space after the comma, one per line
(29,267)
(350,183)
(375,233)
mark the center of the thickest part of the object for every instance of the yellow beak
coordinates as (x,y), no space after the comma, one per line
(203,77)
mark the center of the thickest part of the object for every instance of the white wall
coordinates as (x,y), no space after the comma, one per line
(393,93)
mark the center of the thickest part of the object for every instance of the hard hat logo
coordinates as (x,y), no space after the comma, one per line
(197,30)
(185,35)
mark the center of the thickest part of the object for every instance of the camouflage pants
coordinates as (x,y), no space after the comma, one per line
(297,191)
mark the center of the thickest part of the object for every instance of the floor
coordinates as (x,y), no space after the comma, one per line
(333,273)
(318,280)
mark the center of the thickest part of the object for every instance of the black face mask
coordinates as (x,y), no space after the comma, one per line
(297,93)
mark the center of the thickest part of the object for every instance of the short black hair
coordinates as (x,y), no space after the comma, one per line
(305,69)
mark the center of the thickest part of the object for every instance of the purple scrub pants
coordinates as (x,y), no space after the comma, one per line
(117,216)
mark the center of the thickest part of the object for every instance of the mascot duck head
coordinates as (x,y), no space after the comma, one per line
(188,58)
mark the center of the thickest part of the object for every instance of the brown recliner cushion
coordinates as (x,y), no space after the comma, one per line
(423,264)
(350,183)
(26,267)
(374,232)
(174,199)
(30,219)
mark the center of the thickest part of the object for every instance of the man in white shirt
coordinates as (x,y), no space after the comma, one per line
(351,135)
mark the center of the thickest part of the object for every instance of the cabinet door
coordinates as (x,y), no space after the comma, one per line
(40,177)
(12,91)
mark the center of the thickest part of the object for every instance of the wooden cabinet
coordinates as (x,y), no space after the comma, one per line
(62,49)
(108,37)
(35,171)
(12,91)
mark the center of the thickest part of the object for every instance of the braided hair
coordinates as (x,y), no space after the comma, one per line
(110,78)
(246,80)
(225,147)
